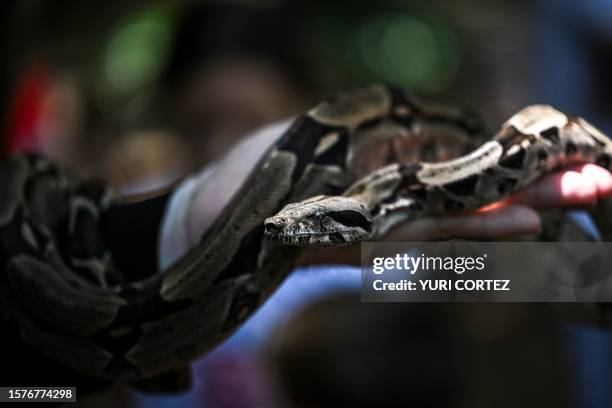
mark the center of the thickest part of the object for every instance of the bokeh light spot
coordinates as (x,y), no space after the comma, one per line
(136,52)
(409,50)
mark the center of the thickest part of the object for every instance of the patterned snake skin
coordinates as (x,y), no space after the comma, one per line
(357,154)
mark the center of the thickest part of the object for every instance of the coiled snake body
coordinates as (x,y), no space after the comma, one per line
(69,302)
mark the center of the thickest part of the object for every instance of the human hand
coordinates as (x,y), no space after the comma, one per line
(577,186)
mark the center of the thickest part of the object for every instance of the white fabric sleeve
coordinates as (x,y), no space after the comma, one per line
(198,201)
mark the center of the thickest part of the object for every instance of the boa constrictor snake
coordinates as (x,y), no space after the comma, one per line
(68,301)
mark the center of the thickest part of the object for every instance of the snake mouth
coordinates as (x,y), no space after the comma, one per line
(298,240)
(306,240)
(312,239)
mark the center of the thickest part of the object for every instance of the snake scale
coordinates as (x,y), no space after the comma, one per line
(67,300)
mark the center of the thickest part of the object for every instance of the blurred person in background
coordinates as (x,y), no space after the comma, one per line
(578,44)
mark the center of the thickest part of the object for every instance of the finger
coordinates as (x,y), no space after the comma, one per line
(507,220)
(577,186)
(600,177)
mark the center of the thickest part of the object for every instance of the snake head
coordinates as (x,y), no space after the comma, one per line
(320,221)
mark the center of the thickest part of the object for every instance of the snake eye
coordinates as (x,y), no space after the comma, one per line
(320,215)
(351,218)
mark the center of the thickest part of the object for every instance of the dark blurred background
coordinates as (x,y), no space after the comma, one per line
(144,93)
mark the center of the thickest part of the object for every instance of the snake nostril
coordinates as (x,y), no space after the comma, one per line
(274,226)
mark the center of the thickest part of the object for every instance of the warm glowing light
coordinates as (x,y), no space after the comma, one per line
(491,207)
